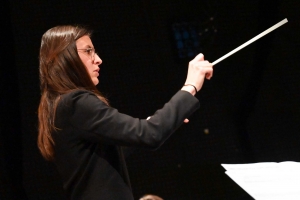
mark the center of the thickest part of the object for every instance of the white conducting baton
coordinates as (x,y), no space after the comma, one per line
(252,40)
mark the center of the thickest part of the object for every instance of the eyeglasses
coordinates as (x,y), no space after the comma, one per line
(89,51)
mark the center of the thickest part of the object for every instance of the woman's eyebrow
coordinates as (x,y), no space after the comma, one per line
(88,46)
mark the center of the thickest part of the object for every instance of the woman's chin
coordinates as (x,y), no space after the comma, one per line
(95,81)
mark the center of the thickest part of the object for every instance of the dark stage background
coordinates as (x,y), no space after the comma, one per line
(250,107)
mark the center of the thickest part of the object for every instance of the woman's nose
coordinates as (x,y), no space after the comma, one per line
(97,60)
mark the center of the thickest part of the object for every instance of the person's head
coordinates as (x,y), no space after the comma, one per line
(150,197)
(67,61)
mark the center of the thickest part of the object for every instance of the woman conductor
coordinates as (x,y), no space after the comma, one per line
(81,133)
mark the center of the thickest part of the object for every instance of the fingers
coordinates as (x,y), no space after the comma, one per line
(209,73)
(207,67)
(199,57)
(204,68)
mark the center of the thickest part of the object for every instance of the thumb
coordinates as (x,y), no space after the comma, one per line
(199,57)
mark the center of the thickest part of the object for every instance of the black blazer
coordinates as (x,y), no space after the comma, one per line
(89,137)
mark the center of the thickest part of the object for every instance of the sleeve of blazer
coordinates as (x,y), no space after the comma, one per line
(97,122)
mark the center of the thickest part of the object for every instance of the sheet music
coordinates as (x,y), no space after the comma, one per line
(267,181)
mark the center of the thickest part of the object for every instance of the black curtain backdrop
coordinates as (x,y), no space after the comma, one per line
(249,109)
(10,125)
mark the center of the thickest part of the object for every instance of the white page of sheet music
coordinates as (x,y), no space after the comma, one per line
(267,180)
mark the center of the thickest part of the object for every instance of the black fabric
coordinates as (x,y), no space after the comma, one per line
(89,136)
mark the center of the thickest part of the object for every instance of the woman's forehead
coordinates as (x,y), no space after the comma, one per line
(84,42)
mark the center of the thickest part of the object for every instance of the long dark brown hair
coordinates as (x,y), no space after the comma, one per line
(61,71)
